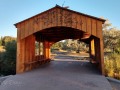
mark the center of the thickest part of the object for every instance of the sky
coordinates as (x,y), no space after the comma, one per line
(13,11)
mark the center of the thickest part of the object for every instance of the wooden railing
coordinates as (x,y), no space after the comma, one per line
(36,63)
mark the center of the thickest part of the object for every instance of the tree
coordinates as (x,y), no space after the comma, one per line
(7,39)
(8,58)
(74,45)
(111,37)
(117,50)
(111,44)
(57,45)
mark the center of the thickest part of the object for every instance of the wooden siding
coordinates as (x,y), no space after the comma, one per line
(58,17)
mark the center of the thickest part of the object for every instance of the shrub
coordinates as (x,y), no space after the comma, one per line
(8,58)
(112,65)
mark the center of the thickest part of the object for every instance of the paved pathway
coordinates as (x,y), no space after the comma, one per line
(59,75)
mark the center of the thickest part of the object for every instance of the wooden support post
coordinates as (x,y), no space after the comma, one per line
(99,53)
(97,50)
(20,56)
(47,49)
(92,50)
(25,53)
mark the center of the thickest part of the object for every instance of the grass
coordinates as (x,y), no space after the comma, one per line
(112,65)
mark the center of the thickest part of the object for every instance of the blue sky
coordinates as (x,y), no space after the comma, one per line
(13,11)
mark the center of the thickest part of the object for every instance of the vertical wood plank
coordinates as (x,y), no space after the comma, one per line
(83,23)
(89,25)
(22,30)
(26,54)
(94,24)
(30,27)
(22,52)
(26,28)
(99,29)
(79,24)
(33,49)
(74,21)
(29,47)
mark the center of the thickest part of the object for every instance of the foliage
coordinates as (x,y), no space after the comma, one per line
(111,38)
(66,46)
(117,50)
(112,65)
(76,45)
(8,58)
(70,45)
(112,47)
(57,45)
(7,39)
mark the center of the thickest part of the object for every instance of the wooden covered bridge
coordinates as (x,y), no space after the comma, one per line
(51,26)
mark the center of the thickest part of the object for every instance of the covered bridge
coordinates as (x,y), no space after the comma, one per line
(51,26)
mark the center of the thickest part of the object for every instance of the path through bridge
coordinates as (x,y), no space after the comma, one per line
(59,75)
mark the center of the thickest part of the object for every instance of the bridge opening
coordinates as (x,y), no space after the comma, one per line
(70,49)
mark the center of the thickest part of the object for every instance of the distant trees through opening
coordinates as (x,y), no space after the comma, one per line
(70,49)
(71,45)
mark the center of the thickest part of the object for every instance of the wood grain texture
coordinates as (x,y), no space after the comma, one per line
(99,29)
(89,25)
(94,24)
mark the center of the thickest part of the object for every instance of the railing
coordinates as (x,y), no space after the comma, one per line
(39,60)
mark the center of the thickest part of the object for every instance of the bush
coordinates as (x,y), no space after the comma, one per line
(112,65)
(8,59)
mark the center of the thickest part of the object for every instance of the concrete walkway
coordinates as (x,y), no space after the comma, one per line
(59,75)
